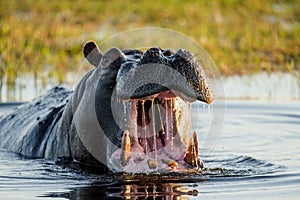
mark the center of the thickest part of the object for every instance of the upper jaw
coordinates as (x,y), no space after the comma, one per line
(167,94)
(155,73)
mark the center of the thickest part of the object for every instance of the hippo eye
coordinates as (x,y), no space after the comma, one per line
(110,56)
(105,62)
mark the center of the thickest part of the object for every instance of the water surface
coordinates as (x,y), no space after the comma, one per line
(257,156)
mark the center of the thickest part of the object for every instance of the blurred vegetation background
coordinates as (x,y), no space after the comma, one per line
(245,36)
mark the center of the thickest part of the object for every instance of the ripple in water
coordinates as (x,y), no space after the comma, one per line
(168,185)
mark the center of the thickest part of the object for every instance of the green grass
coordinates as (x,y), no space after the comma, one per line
(241,36)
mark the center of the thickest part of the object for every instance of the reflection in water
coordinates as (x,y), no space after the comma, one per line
(275,86)
(130,191)
(167,190)
(171,185)
(263,86)
(24,88)
(139,186)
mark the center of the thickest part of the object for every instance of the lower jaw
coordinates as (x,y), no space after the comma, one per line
(147,163)
(173,156)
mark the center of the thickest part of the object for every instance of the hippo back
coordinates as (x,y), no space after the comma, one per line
(29,128)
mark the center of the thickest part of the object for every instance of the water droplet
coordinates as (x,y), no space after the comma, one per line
(208,109)
(144,126)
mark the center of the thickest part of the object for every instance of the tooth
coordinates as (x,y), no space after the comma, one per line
(171,163)
(191,156)
(152,164)
(125,149)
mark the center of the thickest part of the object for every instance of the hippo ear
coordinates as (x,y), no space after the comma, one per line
(92,53)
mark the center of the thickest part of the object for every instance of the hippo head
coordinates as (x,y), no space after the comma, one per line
(142,104)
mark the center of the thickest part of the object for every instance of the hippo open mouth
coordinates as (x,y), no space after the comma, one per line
(156,88)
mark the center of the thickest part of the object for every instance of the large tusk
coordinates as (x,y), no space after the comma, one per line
(125,151)
(191,156)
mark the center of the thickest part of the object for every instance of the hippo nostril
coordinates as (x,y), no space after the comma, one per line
(168,52)
(154,56)
(186,55)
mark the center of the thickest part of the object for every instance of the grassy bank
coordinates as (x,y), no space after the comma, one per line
(241,36)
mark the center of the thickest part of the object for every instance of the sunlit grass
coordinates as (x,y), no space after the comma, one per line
(241,36)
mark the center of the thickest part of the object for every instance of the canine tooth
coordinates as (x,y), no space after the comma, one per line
(171,163)
(191,156)
(125,149)
(152,164)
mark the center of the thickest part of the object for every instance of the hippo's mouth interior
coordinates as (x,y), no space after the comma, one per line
(155,137)
(156,121)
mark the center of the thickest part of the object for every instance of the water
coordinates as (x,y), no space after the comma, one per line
(264,86)
(257,156)
(274,86)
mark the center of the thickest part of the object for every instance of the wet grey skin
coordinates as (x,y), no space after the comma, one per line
(149,87)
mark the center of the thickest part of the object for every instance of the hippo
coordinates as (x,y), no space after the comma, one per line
(130,113)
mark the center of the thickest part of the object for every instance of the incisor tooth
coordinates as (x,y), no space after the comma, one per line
(125,149)
(191,156)
(152,164)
